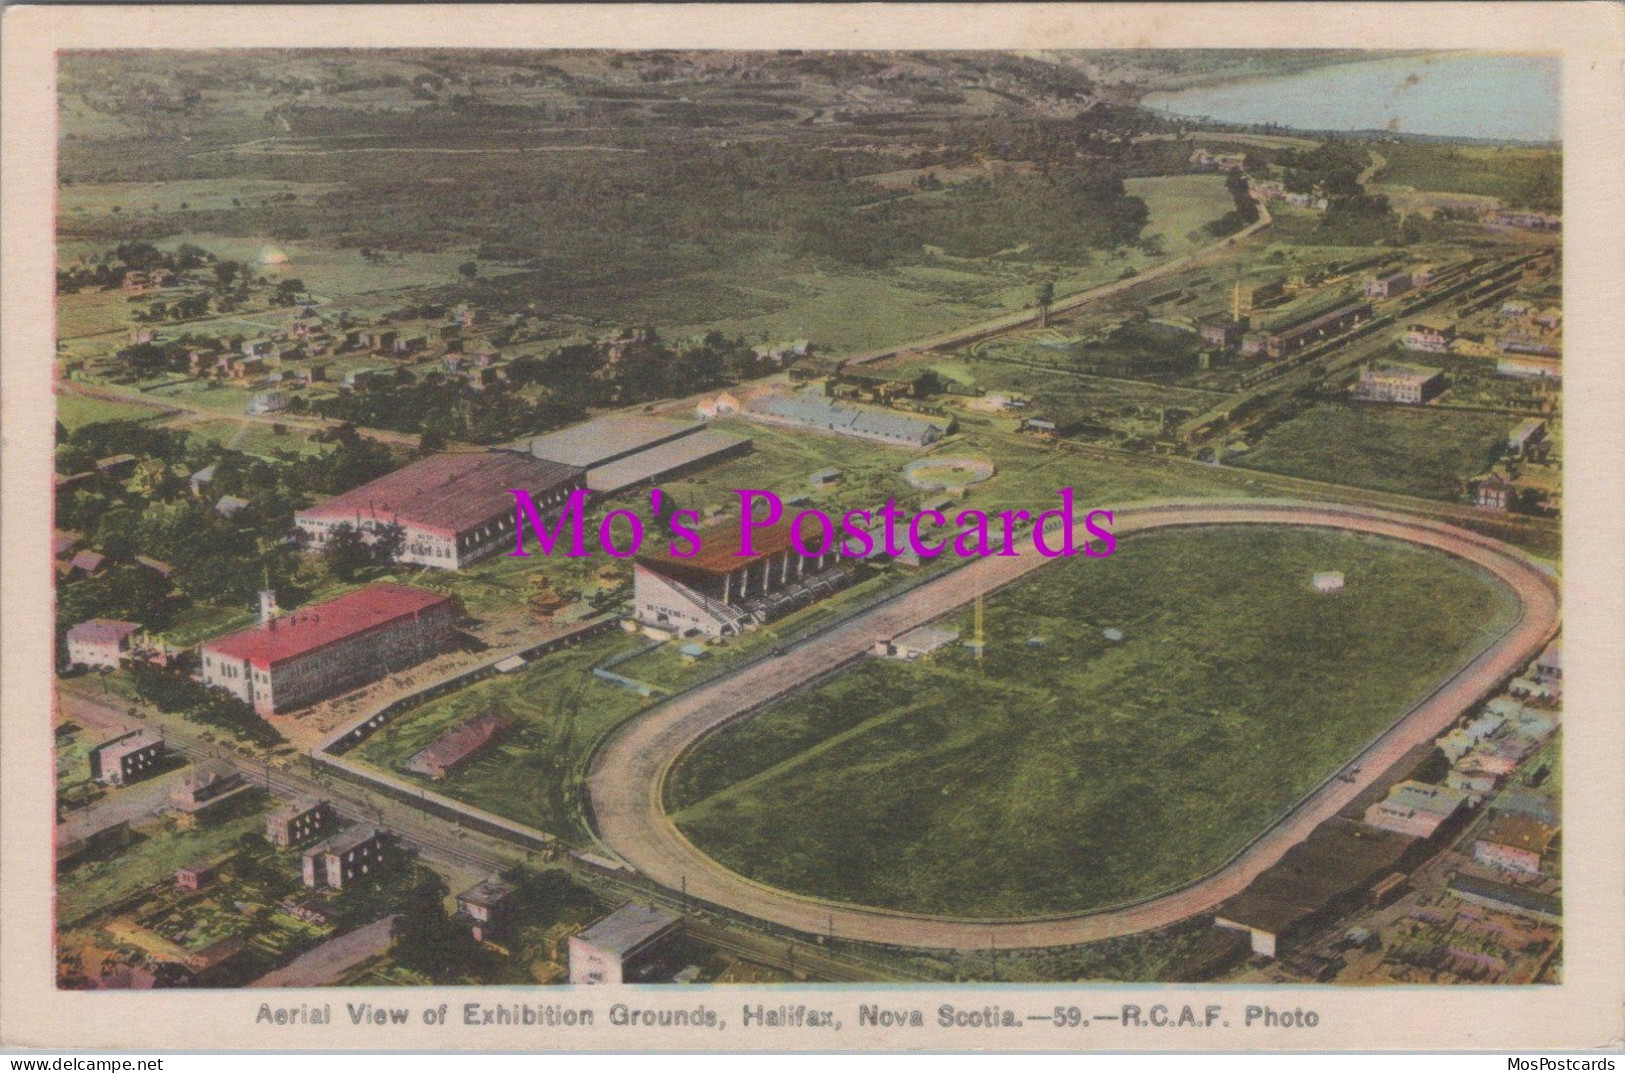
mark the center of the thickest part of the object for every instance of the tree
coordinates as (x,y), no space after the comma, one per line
(346,553)
(1046,298)
(468,269)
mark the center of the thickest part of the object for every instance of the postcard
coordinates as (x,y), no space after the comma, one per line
(842,528)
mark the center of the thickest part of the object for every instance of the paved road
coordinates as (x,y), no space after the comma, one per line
(629,771)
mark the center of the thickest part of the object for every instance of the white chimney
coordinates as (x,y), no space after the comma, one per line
(267,605)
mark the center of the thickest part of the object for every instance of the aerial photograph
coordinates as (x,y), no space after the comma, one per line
(348,339)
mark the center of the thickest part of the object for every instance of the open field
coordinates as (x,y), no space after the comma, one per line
(1069,772)
(77,411)
(560,713)
(158,851)
(1421,452)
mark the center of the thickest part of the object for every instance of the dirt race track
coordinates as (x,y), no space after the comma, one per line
(629,771)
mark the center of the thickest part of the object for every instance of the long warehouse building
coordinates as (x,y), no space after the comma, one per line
(454,508)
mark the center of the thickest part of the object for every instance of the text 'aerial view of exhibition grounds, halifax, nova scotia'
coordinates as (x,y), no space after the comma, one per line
(1044,516)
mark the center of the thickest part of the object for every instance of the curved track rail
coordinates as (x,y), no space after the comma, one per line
(628,775)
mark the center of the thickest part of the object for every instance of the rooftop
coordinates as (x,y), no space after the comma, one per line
(489,893)
(459,743)
(344,841)
(719,550)
(628,928)
(102,631)
(446,493)
(661,459)
(608,439)
(1520,832)
(310,628)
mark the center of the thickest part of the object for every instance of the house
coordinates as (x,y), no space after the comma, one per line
(485,908)
(1428,339)
(1515,844)
(156,566)
(87,563)
(299,822)
(622,947)
(288,661)
(101,642)
(825,477)
(205,789)
(347,858)
(1492,492)
(126,758)
(200,480)
(1223,332)
(258,348)
(1412,385)
(195,876)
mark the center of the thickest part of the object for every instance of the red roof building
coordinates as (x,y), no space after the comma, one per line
(295,659)
(459,745)
(454,508)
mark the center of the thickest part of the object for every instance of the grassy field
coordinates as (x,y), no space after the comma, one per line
(77,411)
(1414,452)
(1071,772)
(159,850)
(561,712)
(850,310)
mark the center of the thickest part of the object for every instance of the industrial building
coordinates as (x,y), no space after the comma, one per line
(621,948)
(1515,844)
(622,452)
(1411,384)
(292,660)
(453,508)
(1284,342)
(1390,286)
(811,410)
(720,593)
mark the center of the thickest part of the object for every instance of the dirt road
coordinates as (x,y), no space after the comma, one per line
(629,771)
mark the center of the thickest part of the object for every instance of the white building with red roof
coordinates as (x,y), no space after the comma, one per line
(296,659)
(454,508)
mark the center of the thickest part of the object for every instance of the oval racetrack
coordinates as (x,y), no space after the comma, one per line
(629,771)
